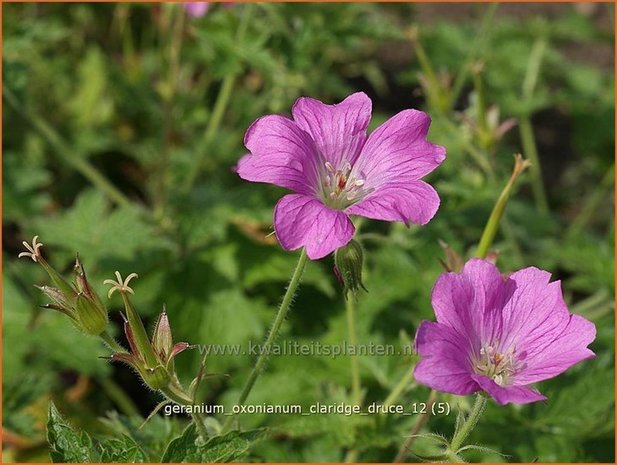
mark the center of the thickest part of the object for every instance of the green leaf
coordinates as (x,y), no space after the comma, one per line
(122,449)
(152,437)
(190,448)
(90,103)
(67,445)
(594,412)
(92,228)
(229,447)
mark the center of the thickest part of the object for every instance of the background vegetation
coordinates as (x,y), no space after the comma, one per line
(122,123)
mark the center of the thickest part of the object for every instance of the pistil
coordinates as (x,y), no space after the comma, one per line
(340,188)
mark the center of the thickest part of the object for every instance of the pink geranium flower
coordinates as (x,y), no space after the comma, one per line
(335,169)
(499,335)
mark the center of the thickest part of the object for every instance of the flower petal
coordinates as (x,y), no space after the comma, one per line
(537,323)
(559,352)
(397,151)
(470,302)
(281,154)
(416,202)
(339,131)
(301,220)
(532,308)
(444,363)
(508,394)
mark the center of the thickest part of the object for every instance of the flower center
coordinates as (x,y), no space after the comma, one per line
(500,367)
(339,189)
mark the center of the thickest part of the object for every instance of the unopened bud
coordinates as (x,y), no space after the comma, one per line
(348,261)
(162,342)
(91,318)
(79,302)
(89,309)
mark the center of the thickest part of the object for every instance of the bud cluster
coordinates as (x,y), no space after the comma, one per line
(152,359)
(78,300)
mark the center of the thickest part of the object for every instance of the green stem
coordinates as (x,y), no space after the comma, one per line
(175,36)
(526,131)
(356,387)
(398,390)
(118,396)
(533,68)
(177,395)
(276,327)
(530,149)
(62,149)
(420,422)
(201,426)
(111,343)
(466,428)
(488,235)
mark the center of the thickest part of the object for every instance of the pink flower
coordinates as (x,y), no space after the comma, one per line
(196,9)
(335,169)
(499,335)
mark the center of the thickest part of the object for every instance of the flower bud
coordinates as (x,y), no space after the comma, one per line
(78,301)
(153,360)
(91,319)
(89,309)
(348,261)
(161,340)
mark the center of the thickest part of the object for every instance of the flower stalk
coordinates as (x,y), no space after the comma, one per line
(488,235)
(274,332)
(465,428)
(356,386)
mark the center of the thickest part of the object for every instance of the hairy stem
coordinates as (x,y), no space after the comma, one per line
(274,331)
(467,427)
(356,388)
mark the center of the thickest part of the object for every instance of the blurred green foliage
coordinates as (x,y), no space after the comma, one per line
(122,124)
